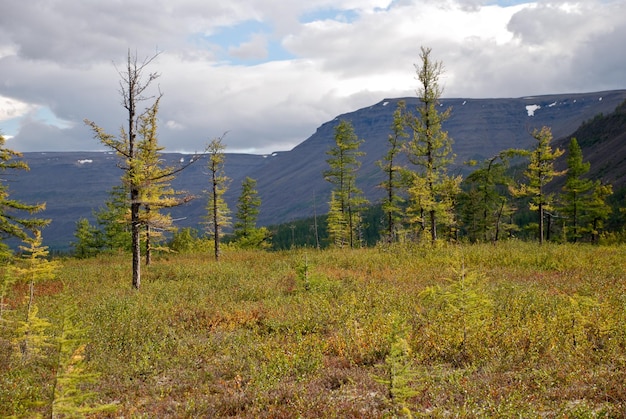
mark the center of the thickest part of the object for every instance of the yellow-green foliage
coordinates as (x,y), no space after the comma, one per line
(32,336)
(7,279)
(400,375)
(33,267)
(455,319)
(70,396)
(511,330)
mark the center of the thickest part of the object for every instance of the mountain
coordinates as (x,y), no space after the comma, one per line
(290,183)
(75,184)
(603,142)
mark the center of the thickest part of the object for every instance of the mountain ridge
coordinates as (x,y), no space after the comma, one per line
(290,183)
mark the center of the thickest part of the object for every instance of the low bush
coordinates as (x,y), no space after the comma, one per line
(472,331)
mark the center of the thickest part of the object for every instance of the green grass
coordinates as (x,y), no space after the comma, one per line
(513,330)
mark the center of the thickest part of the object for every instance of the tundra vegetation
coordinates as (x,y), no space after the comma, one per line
(439,317)
(471,330)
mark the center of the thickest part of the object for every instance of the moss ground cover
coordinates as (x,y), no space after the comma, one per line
(513,330)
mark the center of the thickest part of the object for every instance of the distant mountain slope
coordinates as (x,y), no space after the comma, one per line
(290,183)
(76,184)
(603,142)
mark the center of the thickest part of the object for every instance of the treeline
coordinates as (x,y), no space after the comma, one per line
(511,194)
(424,202)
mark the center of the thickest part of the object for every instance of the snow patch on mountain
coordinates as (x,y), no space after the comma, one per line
(531,109)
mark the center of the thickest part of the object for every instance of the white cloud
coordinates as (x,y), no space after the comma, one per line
(254,49)
(11,108)
(347,54)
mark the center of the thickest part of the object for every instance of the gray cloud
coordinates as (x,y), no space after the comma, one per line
(60,56)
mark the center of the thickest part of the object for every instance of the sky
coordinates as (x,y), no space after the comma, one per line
(264,74)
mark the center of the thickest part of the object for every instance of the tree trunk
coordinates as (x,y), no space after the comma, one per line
(136,243)
(31,297)
(540,223)
(498,220)
(148,247)
(216,238)
(433,226)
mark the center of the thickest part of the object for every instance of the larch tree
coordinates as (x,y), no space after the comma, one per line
(347,201)
(539,173)
(33,266)
(432,190)
(132,147)
(218,214)
(598,209)
(247,235)
(393,183)
(576,191)
(14,215)
(336,222)
(15,220)
(484,200)
(133,88)
(154,179)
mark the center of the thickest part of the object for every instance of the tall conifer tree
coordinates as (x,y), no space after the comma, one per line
(218,214)
(14,217)
(247,208)
(247,235)
(12,223)
(392,203)
(430,150)
(577,189)
(154,178)
(539,173)
(133,88)
(598,209)
(135,146)
(347,201)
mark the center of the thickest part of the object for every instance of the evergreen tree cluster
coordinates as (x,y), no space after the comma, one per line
(423,201)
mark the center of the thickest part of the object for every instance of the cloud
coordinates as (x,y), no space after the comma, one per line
(11,108)
(254,49)
(270,72)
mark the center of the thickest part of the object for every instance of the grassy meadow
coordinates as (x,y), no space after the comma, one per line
(511,330)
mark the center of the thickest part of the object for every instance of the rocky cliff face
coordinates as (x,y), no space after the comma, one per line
(290,183)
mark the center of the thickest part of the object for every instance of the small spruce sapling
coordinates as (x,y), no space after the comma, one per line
(7,279)
(34,267)
(32,336)
(69,396)
(400,373)
(303,273)
(456,316)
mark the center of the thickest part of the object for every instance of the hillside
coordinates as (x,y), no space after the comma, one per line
(290,183)
(603,142)
(74,185)
(292,186)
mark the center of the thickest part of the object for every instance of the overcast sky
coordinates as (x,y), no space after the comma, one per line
(271,71)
